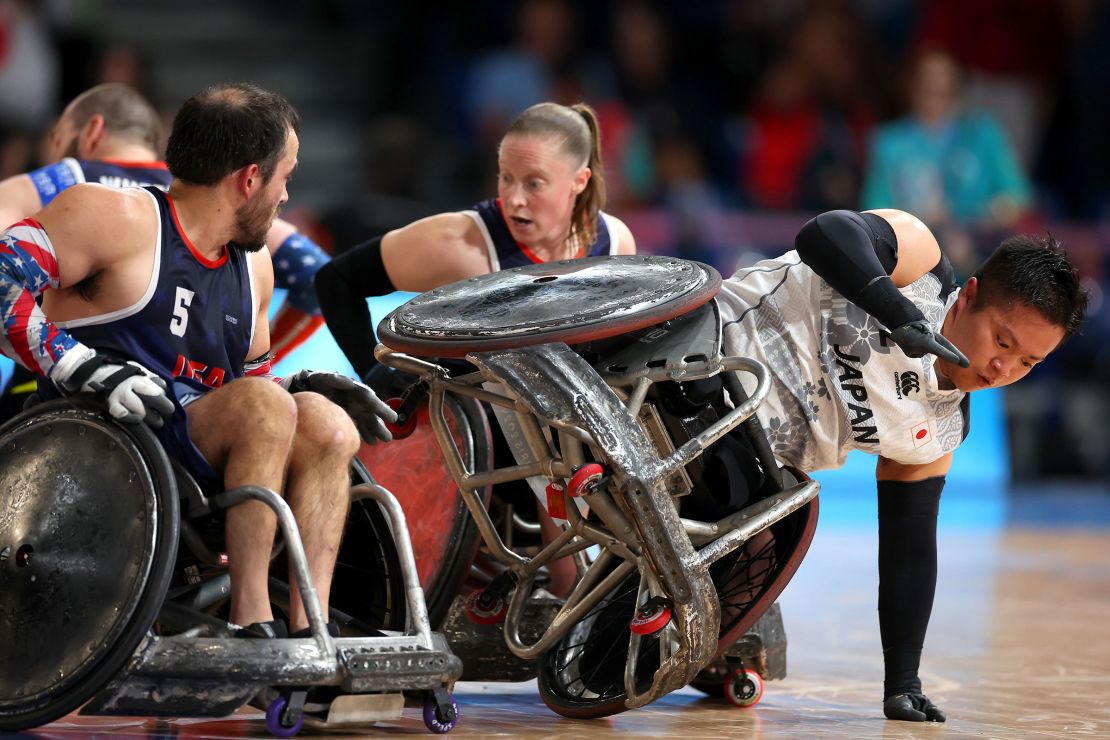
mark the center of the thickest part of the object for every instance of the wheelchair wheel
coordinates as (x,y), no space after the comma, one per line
(88,538)
(582,675)
(368,584)
(444,537)
(750,578)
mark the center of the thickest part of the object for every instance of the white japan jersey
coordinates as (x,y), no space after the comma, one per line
(838,382)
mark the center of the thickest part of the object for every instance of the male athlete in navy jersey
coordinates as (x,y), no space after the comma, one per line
(157,303)
(111,135)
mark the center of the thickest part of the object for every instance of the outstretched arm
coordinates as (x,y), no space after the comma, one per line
(426,254)
(909,501)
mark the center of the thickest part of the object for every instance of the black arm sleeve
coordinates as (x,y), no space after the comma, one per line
(342,287)
(855,254)
(907,576)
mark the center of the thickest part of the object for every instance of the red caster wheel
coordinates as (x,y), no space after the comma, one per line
(481,608)
(651,619)
(583,478)
(744,688)
(400,431)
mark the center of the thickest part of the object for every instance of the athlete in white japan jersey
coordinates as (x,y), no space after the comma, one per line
(838,382)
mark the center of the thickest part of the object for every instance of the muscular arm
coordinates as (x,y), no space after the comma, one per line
(18,199)
(426,254)
(434,251)
(909,501)
(87,230)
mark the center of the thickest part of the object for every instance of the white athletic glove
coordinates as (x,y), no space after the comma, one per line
(368,412)
(133,393)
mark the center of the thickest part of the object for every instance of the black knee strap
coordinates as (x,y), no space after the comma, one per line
(907,576)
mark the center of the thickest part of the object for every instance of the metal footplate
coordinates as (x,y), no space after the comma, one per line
(177,677)
(384,664)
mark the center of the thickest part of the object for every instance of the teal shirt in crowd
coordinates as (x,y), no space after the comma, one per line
(956,168)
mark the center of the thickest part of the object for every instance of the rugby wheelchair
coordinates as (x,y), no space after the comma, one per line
(113,591)
(607,381)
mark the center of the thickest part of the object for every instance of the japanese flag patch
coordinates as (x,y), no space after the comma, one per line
(922,434)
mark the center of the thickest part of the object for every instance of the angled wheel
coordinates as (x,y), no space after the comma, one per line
(89,521)
(582,675)
(444,543)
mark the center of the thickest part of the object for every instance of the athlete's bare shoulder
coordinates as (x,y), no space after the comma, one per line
(435,251)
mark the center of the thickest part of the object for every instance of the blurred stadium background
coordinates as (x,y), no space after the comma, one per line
(726,124)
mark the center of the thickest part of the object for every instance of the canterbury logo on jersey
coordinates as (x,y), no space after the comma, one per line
(906,383)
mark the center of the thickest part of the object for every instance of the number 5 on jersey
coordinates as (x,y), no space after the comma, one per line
(181,303)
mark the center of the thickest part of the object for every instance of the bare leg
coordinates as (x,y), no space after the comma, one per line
(246,429)
(318,490)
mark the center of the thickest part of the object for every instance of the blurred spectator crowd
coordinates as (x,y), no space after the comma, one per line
(725,125)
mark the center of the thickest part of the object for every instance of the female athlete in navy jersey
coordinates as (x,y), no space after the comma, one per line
(551,191)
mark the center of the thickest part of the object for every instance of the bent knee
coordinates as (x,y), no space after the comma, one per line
(325,427)
(256,406)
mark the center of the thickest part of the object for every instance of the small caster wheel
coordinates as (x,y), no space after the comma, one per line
(405,428)
(440,718)
(278,724)
(650,619)
(744,688)
(481,608)
(583,478)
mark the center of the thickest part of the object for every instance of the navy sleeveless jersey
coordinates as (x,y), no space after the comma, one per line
(194,323)
(506,252)
(54,178)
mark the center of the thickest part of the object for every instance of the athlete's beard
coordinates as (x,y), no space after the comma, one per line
(71,149)
(254,221)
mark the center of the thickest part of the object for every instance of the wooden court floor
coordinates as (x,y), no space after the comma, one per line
(1018,647)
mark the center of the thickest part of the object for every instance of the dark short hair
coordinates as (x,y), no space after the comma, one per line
(1035,271)
(227,127)
(127,114)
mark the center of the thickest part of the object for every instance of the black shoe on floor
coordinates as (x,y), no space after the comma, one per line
(275,629)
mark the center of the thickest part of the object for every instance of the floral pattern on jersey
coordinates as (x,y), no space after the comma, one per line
(789,434)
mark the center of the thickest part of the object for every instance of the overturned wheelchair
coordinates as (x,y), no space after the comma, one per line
(101,609)
(607,381)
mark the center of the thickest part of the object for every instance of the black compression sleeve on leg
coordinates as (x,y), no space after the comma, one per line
(855,254)
(907,576)
(342,286)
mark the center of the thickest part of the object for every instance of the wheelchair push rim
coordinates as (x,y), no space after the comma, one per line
(92,508)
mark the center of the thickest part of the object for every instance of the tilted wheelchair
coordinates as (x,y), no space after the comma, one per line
(112,591)
(607,380)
